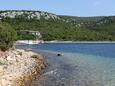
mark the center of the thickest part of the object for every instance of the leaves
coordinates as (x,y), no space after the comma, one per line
(65,28)
(7,36)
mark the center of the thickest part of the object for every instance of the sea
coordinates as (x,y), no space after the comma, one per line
(80,64)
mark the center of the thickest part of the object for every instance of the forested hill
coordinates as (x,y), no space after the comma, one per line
(57,27)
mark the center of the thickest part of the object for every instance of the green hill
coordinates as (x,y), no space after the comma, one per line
(57,27)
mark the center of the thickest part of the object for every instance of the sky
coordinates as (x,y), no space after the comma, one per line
(63,7)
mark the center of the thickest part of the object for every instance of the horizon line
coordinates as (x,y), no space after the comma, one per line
(55,13)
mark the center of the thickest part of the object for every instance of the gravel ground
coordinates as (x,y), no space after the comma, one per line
(19,67)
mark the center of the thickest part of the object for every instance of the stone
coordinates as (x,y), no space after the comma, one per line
(18,66)
(59,54)
(1,70)
(9,58)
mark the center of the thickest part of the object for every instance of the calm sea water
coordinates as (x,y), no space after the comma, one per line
(82,64)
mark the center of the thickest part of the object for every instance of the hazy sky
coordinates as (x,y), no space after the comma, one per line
(63,7)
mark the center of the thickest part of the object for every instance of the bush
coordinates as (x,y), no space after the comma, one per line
(34,56)
(7,36)
(20,53)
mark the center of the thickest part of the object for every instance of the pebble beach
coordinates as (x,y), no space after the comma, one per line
(19,67)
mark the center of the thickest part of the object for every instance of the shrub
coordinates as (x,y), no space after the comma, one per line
(34,56)
(20,53)
(7,36)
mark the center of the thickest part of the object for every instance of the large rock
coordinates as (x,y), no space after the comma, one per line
(1,70)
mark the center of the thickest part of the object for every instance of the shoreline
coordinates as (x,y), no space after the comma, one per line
(20,67)
(79,41)
(22,42)
(29,41)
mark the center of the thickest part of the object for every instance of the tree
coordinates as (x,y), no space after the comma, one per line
(7,36)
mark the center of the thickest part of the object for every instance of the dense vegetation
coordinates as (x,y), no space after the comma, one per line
(66,28)
(7,36)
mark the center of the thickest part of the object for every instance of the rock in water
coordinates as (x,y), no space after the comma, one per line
(59,54)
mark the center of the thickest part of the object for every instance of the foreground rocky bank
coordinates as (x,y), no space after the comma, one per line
(19,67)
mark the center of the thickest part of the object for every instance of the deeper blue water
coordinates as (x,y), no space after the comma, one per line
(82,64)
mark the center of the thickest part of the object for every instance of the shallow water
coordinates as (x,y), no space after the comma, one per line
(81,64)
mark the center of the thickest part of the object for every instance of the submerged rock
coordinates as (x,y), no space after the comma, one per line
(59,54)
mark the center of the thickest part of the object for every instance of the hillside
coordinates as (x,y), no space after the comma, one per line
(57,27)
(27,14)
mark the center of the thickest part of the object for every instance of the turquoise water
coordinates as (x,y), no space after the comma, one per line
(81,64)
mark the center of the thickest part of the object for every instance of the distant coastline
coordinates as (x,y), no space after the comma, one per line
(56,41)
(29,42)
(79,41)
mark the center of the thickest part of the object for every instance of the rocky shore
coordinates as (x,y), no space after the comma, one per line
(19,67)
